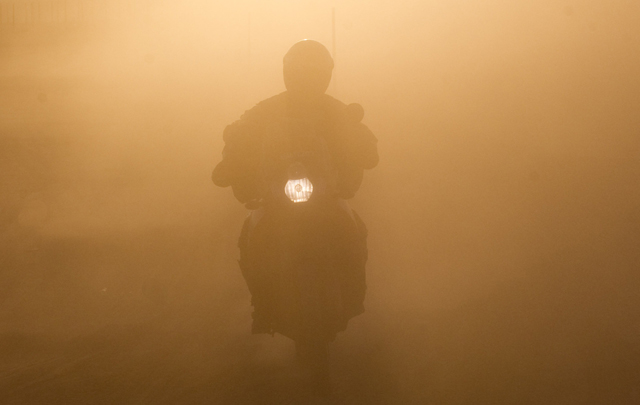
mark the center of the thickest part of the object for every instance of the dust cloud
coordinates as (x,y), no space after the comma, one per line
(504,230)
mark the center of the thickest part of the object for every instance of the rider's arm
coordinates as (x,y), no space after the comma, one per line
(239,163)
(224,173)
(364,147)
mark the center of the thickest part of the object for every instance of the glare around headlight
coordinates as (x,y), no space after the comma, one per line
(298,190)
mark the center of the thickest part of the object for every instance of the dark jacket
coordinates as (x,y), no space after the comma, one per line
(255,144)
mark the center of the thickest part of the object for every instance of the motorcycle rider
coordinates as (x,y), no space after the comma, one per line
(302,124)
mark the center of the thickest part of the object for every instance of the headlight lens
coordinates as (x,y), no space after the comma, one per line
(299,190)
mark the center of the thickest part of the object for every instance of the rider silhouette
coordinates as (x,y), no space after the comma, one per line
(300,124)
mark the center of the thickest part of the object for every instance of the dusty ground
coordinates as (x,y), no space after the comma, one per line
(143,340)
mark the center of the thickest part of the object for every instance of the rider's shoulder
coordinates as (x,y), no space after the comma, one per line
(266,108)
(253,119)
(333,103)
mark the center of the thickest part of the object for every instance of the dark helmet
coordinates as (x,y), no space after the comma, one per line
(307,68)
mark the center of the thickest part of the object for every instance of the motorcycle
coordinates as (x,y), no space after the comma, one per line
(303,253)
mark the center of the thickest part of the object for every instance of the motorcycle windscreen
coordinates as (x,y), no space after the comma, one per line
(299,190)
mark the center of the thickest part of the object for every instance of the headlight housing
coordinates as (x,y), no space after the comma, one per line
(299,190)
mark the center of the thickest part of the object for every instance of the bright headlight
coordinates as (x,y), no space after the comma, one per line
(298,190)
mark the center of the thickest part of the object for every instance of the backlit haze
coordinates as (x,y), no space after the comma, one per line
(504,229)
